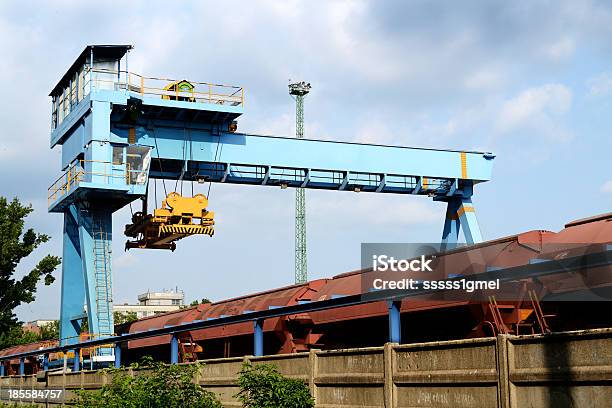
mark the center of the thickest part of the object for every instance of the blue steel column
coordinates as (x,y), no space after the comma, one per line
(2,369)
(117,355)
(395,323)
(73,284)
(86,273)
(46,362)
(21,366)
(76,363)
(450,234)
(258,337)
(174,357)
(467,218)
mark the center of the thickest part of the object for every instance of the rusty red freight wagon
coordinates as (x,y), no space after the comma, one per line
(422,318)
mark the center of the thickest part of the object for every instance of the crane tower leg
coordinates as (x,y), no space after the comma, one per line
(460,213)
(450,233)
(73,284)
(86,272)
(468,221)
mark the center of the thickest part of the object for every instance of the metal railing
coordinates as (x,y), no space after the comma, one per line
(81,171)
(65,183)
(165,88)
(85,351)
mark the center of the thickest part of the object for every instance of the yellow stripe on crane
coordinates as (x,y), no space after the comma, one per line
(465,209)
(464,165)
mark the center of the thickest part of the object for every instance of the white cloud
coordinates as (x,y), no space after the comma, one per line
(600,85)
(607,187)
(484,79)
(371,59)
(375,131)
(538,110)
(289,9)
(283,125)
(562,49)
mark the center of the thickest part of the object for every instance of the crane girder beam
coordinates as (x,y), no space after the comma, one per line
(306,155)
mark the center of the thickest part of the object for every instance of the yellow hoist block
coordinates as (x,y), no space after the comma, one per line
(178,217)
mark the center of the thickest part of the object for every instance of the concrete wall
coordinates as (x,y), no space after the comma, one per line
(563,370)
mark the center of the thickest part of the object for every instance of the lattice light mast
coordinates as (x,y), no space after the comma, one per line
(298,90)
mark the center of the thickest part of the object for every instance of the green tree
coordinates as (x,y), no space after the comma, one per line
(203,301)
(160,385)
(263,386)
(124,317)
(15,245)
(15,335)
(50,331)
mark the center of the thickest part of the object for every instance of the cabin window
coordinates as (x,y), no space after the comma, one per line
(138,160)
(54,113)
(81,85)
(118,155)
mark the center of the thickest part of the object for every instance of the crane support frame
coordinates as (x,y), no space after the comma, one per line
(116,132)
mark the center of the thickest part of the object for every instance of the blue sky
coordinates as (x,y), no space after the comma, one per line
(530,81)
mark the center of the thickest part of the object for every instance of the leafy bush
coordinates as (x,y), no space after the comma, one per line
(162,385)
(263,386)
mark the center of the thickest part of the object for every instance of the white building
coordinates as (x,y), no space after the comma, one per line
(152,303)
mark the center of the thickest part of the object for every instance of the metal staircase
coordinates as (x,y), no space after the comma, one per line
(102,271)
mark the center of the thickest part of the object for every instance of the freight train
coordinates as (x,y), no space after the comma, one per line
(566,301)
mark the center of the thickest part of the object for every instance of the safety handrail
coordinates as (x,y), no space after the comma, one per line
(202,92)
(77,172)
(157,86)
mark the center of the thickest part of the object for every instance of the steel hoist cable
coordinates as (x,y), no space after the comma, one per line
(184,156)
(159,159)
(217,156)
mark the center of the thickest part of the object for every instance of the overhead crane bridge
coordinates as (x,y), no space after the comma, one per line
(118,130)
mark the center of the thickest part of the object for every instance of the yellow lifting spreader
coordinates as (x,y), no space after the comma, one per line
(179,217)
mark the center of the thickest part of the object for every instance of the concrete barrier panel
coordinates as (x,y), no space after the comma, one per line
(290,365)
(93,379)
(350,378)
(453,374)
(562,370)
(219,376)
(571,369)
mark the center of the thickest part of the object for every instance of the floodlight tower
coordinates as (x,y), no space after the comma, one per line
(298,90)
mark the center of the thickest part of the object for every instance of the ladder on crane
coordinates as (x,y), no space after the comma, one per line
(101,263)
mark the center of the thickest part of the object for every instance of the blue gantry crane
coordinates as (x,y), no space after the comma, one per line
(118,130)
